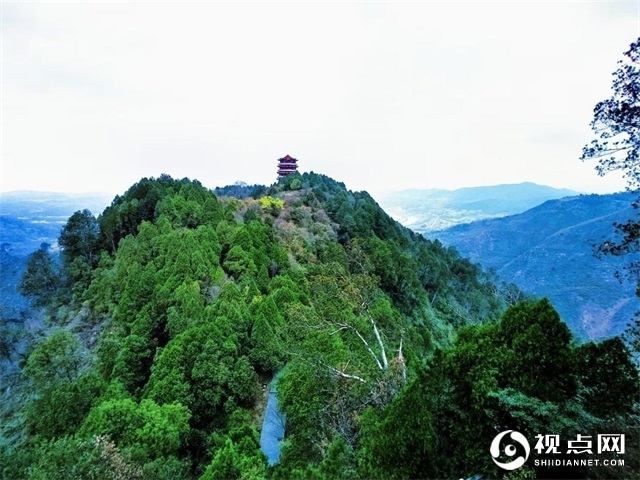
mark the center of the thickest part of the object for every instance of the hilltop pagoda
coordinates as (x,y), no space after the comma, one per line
(287,166)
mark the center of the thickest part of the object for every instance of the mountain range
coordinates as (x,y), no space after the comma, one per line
(436,209)
(548,251)
(29,218)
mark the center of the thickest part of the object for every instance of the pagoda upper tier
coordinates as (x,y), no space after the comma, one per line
(287,165)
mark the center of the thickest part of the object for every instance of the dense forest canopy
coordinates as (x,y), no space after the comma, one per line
(397,358)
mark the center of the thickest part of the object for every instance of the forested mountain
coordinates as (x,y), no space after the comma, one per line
(397,358)
(549,251)
(428,210)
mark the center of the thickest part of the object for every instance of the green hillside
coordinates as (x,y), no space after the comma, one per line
(397,358)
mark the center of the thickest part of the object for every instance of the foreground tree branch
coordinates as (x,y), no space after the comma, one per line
(348,376)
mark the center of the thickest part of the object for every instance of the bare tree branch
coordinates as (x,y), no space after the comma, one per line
(342,374)
(385,364)
(403,364)
(364,341)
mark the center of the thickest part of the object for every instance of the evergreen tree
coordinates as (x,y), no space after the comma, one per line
(41,280)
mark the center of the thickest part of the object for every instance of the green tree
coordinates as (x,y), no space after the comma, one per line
(538,359)
(239,456)
(522,373)
(188,310)
(40,280)
(148,429)
(339,462)
(238,263)
(60,407)
(398,442)
(201,368)
(11,337)
(296,184)
(133,363)
(243,381)
(608,377)
(265,348)
(58,358)
(616,123)
(79,237)
(69,458)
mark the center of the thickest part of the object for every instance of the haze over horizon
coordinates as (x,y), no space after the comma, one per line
(379,96)
(379,192)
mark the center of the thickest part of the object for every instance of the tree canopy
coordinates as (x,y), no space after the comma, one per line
(616,122)
(392,351)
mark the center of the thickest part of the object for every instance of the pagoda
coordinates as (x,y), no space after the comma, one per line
(287,165)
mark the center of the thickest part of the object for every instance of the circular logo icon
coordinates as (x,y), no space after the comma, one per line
(510,450)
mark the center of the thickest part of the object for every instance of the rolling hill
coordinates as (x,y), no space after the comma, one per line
(436,209)
(28,218)
(548,251)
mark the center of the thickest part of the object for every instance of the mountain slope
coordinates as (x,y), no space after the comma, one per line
(393,351)
(548,251)
(12,304)
(434,209)
(177,302)
(27,220)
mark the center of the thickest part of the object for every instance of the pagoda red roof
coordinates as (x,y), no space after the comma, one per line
(287,165)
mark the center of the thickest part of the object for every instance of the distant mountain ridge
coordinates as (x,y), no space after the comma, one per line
(548,251)
(29,218)
(436,209)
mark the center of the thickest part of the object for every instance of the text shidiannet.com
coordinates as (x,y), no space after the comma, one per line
(510,450)
(591,462)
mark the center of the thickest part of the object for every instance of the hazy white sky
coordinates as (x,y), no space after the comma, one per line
(96,95)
